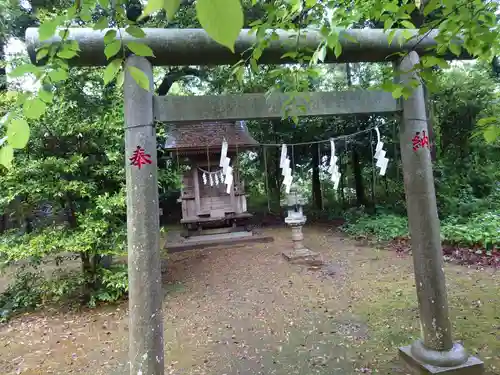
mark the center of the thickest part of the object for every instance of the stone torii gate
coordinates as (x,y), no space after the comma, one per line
(435,352)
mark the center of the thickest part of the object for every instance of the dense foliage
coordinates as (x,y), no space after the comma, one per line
(66,191)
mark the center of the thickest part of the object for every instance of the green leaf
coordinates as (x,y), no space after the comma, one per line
(66,53)
(18,133)
(135,31)
(486,121)
(120,79)
(112,48)
(34,108)
(455,48)
(41,53)
(253,65)
(151,7)
(332,40)
(101,23)
(429,60)
(319,54)
(338,49)
(45,95)
(292,54)
(47,30)
(221,19)
(86,14)
(239,72)
(58,75)
(391,35)
(397,91)
(388,23)
(6,156)
(21,70)
(491,133)
(104,3)
(171,7)
(406,34)
(431,6)
(408,24)
(139,77)
(109,36)
(111,70)
(140,49)
(257,53)
(391,7)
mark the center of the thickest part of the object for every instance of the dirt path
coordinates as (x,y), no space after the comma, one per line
(245,310)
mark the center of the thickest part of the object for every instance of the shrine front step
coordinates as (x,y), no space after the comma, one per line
(211,240)
(211,231)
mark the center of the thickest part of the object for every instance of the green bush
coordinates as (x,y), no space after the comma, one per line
(113,285)
(23,294)
(31,289)
(383,227)
(482,230)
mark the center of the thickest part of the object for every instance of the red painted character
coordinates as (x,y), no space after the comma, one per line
(139,158)
(420,141)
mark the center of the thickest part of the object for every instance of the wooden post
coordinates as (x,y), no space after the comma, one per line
(435,352)
(143,227)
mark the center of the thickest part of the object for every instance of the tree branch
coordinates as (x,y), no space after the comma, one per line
(174,76)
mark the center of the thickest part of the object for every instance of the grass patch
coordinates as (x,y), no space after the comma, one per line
(391,312)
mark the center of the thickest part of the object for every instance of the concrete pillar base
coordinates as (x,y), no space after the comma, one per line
(412,356)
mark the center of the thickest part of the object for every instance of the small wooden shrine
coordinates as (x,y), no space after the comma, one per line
(212,192)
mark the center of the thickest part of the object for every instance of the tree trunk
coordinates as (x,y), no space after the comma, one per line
(342,183)
(3,223)
(358,179)
(316,183)
(3,73)
(348,74)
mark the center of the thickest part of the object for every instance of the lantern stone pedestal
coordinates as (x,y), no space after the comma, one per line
(296,219)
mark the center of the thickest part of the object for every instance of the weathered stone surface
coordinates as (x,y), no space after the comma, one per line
(257,106)
(176,47)
(303,256)
(473,365)
(178,244)
(423,218)
(143,229)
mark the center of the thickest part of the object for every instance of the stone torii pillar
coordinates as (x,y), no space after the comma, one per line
(143,226)
(435,352)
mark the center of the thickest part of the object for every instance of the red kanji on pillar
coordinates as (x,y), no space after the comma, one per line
(420,141)
(139,158)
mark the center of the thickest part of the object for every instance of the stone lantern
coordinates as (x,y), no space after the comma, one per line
(294,203)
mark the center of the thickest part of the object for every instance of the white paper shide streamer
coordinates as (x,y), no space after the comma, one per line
(223,175)
(333,169)
(228,179)
(286,171)
(227,171)
(382,161)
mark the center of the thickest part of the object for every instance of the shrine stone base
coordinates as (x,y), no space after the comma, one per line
(176,242)
(473,366)
(303,256)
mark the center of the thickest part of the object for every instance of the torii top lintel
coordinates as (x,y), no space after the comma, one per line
(176,47)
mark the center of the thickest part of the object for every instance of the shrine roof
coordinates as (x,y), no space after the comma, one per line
(198,136)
